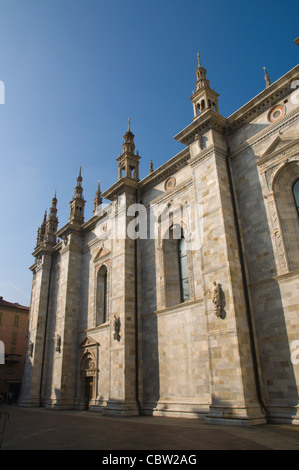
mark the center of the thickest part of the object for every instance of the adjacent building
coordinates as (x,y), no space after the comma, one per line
(13,338)
(181,296)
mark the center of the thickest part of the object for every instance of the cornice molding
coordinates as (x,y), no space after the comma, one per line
(44,248)
(205,121)
(123,185)
(262,102)
(167,169)
(93,221)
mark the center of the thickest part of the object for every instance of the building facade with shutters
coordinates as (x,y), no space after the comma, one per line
(181,296)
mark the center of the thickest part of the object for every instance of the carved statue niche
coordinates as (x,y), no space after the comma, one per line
(89,363)
(218,300)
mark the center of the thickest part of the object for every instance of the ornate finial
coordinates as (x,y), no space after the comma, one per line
(267,78)
(45,218)
(54,203)
(79,179)
(129,124)
(98,198)
(54,200)
(78,191)
(198,58)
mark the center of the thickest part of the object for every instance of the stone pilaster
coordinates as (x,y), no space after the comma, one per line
(122,399)
(232,379)
(34,361)
(64,372)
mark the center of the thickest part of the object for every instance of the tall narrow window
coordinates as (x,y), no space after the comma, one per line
(183,265)
(296,194)
(176,273)
(101,302)
(105,298)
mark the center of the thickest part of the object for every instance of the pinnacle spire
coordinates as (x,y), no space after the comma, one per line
(54,199)
(53,210)
(267,78)
(47,231)
(201,75)
(128,144)
(77,203)
(79,178)
(198,59)
(128,161)
(78,189)
(44,219)
(41,230)
(204,98)
(98,198)
(52,222)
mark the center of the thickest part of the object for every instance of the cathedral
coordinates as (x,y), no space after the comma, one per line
(180,295)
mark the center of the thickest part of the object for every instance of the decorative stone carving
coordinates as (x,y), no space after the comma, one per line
(170,183)
(276,113)
(280,250)
(279,245)
(161,271)
(30,349)
(89,363)
(58,343)
(218,300)
(116,326)
(197,138)
(190,274)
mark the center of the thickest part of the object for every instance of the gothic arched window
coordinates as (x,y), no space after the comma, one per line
(296,194)
(286,191)
(101,301)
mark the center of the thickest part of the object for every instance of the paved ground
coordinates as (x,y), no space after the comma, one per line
(38,428)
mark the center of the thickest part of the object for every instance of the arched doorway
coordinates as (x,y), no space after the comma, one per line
(88,373)
(89,391)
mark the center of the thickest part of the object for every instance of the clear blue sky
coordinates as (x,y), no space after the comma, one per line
(75,70)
